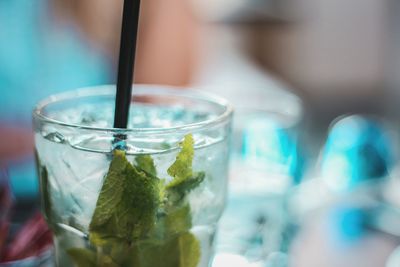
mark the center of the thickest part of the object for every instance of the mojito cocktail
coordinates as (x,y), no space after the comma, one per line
(147,196)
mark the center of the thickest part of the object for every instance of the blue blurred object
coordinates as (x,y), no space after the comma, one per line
(39,57)
(271,145)
(24,182)
(348,224)
(358,149)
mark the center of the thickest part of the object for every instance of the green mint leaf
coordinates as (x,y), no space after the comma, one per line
(178,220)
(45,199)
(125,254)
(112,190)
(146,163)
(173,221)
(190,251)
(106,261)
(184,179)
(127,205)
(165,145)
(182,167)
(178,251)
(45,195)
(86,258)
(136,213)
(82,257)
(187,185)
(139,219)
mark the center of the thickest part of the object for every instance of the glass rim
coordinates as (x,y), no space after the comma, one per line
(138,90)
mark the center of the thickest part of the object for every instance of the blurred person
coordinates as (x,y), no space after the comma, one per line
(52,46)
(168,36)
(168,43)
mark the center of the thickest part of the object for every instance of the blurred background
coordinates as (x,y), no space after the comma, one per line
(311,61)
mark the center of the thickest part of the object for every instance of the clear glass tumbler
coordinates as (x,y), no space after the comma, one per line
(149,195)
(266,162)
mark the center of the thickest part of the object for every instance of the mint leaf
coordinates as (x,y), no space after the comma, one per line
(146,163)
(127,204)
(139,219)
(182,167)
(185,186)
(178,251)
(178,220)
(106,261)
(136,213)
(126,254)
(189,248)
(184,179)
(45,199)
(86,258)
(111,192)
(82,257)
(45,194)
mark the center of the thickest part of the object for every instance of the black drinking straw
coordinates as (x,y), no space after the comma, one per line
(127,54)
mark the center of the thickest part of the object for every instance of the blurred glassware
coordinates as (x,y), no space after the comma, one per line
(358,149)
(266,159)
(349,198)
(265,162)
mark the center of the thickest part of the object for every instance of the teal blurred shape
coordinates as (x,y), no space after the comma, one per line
(347,224)
(24,182)
(39,57)
(358,149)
(267,142)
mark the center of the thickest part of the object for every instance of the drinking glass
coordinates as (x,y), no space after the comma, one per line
(149,195)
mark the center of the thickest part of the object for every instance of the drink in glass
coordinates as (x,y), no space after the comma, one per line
(150,195)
